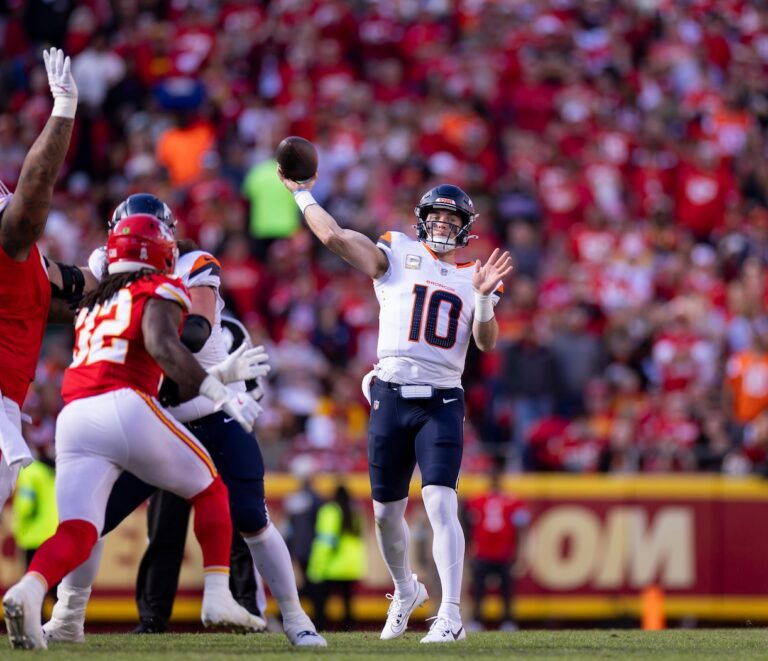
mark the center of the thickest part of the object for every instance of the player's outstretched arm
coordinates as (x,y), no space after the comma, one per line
(159,326)
(353,247)
(23,220)
(485,280)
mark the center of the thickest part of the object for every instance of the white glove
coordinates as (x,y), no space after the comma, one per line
(62,84)
(238,405)
(241,365)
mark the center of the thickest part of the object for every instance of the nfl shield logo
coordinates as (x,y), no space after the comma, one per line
(375,404)
(443,271)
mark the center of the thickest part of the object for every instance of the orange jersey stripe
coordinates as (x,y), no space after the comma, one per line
(178,433)
(203,261)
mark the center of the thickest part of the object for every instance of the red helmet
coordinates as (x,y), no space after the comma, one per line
(138,242)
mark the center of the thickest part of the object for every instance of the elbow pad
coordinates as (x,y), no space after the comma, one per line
(195,332)
(72,284)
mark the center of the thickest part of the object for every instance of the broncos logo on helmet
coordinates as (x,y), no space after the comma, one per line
(143,203)
(453,199)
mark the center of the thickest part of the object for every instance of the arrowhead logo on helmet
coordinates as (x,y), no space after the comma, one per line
(138,242)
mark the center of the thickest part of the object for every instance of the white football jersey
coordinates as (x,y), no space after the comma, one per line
(196,269)
(426,311)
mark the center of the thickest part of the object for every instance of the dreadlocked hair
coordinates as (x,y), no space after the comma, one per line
(110,285)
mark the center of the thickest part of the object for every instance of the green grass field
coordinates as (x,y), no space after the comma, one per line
(698,645)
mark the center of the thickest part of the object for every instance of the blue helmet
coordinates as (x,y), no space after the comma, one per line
(143,203)
(451,198)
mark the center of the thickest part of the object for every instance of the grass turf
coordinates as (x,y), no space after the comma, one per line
(698,645)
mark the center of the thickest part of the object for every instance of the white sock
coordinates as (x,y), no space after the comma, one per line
(35,584)
(273,561)
(442,507)
(394,540)
(215,581)
(84,576)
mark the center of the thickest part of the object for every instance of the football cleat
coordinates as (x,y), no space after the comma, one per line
(306,638)
(67,623)
(444,631)
(400,610)
(221,610)
(22,618)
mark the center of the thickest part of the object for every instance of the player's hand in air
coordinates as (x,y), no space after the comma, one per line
(61,82)
(292,185)
(486,277)
(241,365)
(240,406)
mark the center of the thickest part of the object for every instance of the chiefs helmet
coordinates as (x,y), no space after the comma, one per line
(452,198)
(143,203)
(138,242)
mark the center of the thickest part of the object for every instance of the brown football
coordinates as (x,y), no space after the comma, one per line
(297,158)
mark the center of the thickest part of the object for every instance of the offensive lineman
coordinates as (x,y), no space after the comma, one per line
(430,305)
(126,337)
(235,453)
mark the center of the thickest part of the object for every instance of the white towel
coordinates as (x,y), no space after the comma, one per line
(366,385)
(12,443)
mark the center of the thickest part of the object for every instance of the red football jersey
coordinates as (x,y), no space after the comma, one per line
(25,296)
(494,519)
(109,346)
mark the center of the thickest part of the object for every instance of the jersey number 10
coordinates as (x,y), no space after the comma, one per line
(438,297)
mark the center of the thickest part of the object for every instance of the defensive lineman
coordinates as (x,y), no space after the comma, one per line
(25,293)
(235,453)
(430,305)
(126,336)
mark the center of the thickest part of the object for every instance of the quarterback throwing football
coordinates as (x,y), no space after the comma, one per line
(430,306)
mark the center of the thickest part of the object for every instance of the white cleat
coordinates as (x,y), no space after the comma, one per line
(400,610)
(221,610)
(306,638)
(22,619)
(444,631)
(63,631)
(302,633)
(67,623)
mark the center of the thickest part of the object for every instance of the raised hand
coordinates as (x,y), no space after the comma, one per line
(486,277)
(294,186)
(61,82)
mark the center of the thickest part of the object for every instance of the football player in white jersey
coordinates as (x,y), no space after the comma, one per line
(235,453)
(430,306)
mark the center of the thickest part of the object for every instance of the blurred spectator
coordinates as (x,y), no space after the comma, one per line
(35,515)
(301,508)
(181,148)
(338,558)
(496,526)
(273,212)
(531,383)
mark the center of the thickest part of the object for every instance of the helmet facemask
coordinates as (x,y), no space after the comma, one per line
(454,200)
(440,242)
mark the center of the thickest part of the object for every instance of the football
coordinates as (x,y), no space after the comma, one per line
(297,158)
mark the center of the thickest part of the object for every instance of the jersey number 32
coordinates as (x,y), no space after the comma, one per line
(99,328)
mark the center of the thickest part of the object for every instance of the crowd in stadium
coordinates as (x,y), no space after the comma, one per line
(617,149)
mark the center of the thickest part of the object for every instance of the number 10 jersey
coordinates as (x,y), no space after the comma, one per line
(426,311)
